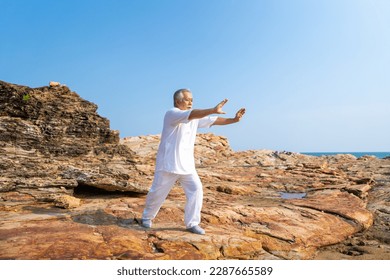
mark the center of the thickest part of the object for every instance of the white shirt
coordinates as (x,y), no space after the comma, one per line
(176,151)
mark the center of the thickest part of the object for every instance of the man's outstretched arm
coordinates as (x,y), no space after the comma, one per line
(225,121)
(201,113)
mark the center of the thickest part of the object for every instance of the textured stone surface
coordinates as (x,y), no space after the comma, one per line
(76,191)
(52,141)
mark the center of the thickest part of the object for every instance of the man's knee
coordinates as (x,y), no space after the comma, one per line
(192,185)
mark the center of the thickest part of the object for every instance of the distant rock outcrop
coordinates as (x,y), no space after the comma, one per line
(71,189)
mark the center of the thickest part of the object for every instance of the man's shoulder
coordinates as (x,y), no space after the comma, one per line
(177,111)
(175,116)
(174,109)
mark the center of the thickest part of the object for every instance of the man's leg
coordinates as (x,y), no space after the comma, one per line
(162,184)
(194,193)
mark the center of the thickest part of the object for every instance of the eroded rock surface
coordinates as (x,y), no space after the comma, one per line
(71,189)
(52,141)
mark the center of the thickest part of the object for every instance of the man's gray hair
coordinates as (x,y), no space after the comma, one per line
(178,95)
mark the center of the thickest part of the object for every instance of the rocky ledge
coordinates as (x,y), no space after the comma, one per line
(71,189)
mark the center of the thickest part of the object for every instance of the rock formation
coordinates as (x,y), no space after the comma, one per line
(52,141)
(71,189)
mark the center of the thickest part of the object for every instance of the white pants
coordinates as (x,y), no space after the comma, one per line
(163,183)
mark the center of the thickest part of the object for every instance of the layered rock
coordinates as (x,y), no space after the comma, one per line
(70,189)
(52,141)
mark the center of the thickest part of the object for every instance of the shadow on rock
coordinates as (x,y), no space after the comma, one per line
(100,218)
(45,211)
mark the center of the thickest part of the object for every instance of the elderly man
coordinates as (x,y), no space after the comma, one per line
(175,158)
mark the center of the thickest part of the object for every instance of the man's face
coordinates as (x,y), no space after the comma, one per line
(186,103)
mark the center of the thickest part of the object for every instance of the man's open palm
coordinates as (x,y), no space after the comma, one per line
(218,108)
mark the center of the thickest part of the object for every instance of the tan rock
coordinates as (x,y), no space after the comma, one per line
(67,202)
(54,84)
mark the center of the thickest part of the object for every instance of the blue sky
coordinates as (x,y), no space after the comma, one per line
(313,75)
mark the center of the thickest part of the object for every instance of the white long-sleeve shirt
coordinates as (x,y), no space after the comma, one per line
(176,151)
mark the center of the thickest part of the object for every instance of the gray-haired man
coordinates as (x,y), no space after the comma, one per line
(175,157)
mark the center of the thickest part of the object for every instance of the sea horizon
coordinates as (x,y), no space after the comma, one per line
(356,154)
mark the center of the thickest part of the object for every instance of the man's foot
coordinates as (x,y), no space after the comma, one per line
(146,223)
(196,230)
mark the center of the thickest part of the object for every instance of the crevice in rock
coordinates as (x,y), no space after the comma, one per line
(222,251)
(259,231)
(154,241)
(88,191)
(345,218)
(196,247)
(269,251)
(156,248)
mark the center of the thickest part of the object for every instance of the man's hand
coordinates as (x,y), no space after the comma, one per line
(224,121)
(239,114)
(198,114)
(218,108)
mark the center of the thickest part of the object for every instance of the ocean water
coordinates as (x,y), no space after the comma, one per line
(356,154)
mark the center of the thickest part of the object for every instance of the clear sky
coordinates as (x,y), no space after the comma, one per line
(313,75)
